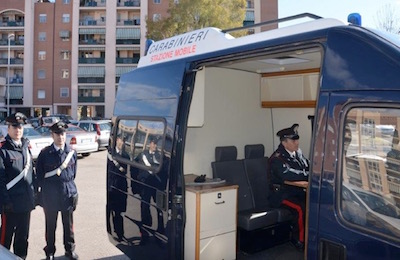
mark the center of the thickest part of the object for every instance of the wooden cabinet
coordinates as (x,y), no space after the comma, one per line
(210,231)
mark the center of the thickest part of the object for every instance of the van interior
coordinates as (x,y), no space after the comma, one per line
(247,99)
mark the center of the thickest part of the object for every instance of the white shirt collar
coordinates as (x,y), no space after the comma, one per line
(56,147)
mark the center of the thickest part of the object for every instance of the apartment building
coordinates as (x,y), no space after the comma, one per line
(66,56)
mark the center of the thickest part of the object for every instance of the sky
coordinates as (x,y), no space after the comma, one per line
(339,9)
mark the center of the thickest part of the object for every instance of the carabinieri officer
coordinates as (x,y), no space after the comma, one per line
(56,171)
(16,186)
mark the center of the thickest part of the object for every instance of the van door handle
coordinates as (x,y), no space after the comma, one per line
(220,202)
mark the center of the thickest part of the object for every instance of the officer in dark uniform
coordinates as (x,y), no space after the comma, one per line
(150,157)
(56,170)
(117,188)
(288,163)
(16,186)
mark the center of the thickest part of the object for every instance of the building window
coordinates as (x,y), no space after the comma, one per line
(66,2)
(42,55)
(156,17)
(42,18)
(65,55)
(42,36)
(157,1)
(41,94)
(65,74)
(41,74)
(64,92)
(65,18)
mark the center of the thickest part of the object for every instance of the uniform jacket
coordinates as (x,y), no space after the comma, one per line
(12,162)
(285,168)
(57,191)
(116,183)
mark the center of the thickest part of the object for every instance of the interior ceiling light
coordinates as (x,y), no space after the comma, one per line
(284,60)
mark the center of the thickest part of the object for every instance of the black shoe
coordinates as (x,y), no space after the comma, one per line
(298,245)
(71,255)
(50,257)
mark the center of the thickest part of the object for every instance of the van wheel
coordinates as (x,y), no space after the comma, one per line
(85,154)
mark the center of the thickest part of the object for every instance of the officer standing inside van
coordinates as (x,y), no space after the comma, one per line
(56,171)
(16,186)
(288,165)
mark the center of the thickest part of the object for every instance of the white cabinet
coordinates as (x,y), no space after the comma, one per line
(210,231)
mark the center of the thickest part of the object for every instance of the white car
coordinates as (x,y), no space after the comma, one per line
(81,141)
(36,140)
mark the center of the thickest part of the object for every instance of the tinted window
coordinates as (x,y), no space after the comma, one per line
(370,190)
(105,126)
(84,126)
(138,138)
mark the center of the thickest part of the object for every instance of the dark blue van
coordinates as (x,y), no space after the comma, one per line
(203,106)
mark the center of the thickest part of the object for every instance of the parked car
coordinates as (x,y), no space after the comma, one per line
(49,120)
(34,121)
(101,127)
(65,118)
(36,140)
(81,141)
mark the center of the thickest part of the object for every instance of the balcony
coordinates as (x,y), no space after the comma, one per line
(91,3)
(13,61)
(91,99)
(127,60)
(130,3)
(12,24)
(91,80)
(92,42)
(91,60)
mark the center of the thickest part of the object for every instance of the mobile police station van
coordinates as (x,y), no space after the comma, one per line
(198,118)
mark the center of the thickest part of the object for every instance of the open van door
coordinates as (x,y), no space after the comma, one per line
(354,196)
(145,184)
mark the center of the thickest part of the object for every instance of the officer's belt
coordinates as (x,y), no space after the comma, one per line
(62,166)
(22,174)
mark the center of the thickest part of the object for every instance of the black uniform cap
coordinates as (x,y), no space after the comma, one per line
(290,133)
(153,139)
(59,127)
(16,119)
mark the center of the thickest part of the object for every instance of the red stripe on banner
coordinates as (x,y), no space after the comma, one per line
(300,218)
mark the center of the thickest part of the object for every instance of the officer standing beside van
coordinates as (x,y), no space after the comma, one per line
(16,186)
(288,165)
(56,171)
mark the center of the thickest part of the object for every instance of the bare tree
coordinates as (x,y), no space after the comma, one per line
(388,19)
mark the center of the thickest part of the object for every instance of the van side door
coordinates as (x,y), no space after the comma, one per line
(355,193)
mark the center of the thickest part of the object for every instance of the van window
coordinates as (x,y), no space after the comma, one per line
(141,141)
(370,190)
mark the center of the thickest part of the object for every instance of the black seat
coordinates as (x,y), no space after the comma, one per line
(256,167)
(227,167)
(255,218)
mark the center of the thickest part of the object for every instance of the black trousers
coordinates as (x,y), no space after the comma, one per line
(15,225)
(68,229)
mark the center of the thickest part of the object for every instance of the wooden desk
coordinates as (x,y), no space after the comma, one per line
(301,184)
(211,222)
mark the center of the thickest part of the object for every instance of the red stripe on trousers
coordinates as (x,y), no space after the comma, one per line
(3,229)
(299,219)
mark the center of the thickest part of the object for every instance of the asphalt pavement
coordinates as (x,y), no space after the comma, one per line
(89,218)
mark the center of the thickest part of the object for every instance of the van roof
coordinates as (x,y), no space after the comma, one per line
(213,39)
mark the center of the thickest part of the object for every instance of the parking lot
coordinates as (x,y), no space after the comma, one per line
(89,218)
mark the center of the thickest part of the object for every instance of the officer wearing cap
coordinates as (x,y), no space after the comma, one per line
(288,163)
(56,171)
(16,186)
(150,157)
(115,184)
